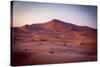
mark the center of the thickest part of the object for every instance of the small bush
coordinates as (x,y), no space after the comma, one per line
(26,49)
(51,52)
(43,40)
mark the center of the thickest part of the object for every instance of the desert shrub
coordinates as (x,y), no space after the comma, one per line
(43,40)
(26,49)
(56,37)
(82,43)
(51,52)
(64,44)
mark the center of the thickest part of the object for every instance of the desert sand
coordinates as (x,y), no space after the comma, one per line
(53,42)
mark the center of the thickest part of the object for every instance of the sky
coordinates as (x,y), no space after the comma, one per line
(35,12)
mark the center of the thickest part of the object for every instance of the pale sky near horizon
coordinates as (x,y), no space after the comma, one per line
(34,12)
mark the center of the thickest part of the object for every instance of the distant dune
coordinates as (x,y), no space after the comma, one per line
(53,42)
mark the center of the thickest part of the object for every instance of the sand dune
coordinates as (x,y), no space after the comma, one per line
(53,42)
